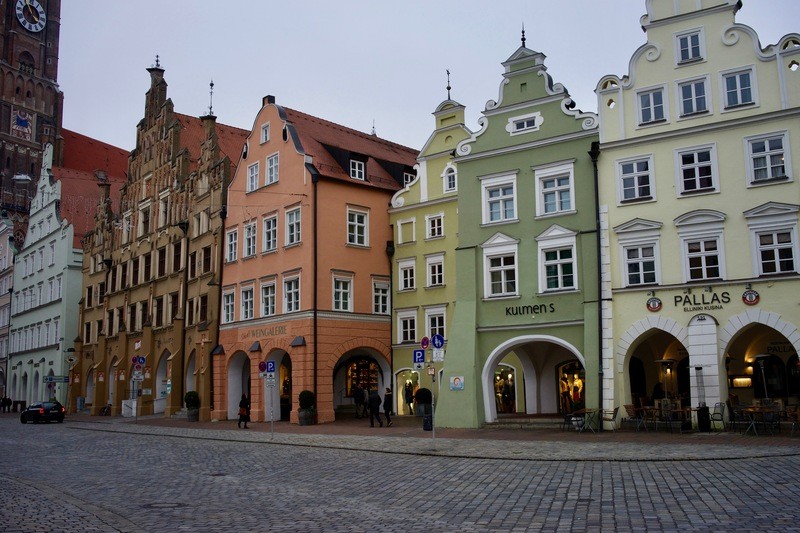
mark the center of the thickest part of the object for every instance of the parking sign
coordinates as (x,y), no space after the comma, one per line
(419,356)
(270,366)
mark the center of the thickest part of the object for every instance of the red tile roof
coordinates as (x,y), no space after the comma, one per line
(316,133)
(87,154)
(80,190)
(230,139)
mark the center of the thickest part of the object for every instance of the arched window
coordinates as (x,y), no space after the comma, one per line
(450,179)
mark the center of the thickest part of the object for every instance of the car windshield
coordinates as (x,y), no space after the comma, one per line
(35,406)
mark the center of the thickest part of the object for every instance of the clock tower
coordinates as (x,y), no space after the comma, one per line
(30,100)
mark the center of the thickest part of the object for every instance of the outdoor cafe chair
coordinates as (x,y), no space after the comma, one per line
(718,415)
(610,415)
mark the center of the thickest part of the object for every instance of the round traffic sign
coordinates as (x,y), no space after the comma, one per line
(437,341)
(262,366)
(140,360)
(425,342)
(134,359)
(137,367)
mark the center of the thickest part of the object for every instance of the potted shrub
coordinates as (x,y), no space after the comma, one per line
(306,411)
(192,401)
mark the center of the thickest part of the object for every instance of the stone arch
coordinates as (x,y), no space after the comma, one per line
(352,344)
(639,328)
(490,412)
(756,316)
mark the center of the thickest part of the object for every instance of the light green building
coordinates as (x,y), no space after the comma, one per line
(425,220)
(699,143)
(526,262)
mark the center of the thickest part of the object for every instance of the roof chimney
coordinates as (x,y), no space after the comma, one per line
(269,99)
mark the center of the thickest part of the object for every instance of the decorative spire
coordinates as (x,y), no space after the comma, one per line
(211,98)
(448,84)
(523,35)
(373,127)
(158,65)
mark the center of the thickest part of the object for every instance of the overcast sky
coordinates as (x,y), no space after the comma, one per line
(351,62)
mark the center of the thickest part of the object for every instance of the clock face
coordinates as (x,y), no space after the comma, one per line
(30,14)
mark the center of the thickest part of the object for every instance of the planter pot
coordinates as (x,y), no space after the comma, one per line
(193,415)
(305,417)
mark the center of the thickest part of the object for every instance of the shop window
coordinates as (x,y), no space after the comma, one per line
(362,373)
(572,393)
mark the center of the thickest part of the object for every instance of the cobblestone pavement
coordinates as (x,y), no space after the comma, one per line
(101,474)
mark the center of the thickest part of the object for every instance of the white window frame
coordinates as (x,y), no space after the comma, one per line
(407,326)
(403,228)
(772,217)
(381,297)
(270,241)
(693,83)
(522,124)
(638,234)
(450,178)
(491,183)
(636,174)
(361,222)
(408,177)
(723,87)
(252,176)
(291,294)
(434,269)
(250,247)
(358,169)
(293,226)
(499,251)
(268,295)
(163,208)
(439,313)
(640,261)
(750,155)
(126,227)
(555,172)
(143,229)
(342,292)
(228,307)
(557,241)
(679,169)
(231,245)
(264,133)
(407,275)
(662,90)
(434,226)
(701,225)
(701,46)
(272,175)
(247,307)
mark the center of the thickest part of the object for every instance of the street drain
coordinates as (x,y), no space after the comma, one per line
(160,505)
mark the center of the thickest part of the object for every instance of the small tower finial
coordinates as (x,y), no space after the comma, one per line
(211,98)
(523,34)
(373,127)
(158,65)
(448,84)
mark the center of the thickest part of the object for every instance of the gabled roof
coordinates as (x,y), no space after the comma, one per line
(316,136)
(229,138)
(87,154)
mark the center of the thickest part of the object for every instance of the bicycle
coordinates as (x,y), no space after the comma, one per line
(105,410)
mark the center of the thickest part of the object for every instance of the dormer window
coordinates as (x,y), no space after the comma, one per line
(357,169)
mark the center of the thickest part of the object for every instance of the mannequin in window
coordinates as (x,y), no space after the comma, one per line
(577,388)
(566,401)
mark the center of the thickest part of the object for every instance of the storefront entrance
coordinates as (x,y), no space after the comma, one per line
(523,375)
(658,368)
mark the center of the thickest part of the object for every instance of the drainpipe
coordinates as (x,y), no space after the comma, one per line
(390,254)
(184,227)
(594,154)
(314,184)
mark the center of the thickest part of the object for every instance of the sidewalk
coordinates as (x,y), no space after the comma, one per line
(407,437)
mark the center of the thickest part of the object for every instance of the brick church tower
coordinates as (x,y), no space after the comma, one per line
(30,100)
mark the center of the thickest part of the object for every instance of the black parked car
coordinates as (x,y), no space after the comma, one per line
(43,412)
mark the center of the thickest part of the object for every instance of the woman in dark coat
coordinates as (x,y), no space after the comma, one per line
(374,408)
(244,411)
(388,399)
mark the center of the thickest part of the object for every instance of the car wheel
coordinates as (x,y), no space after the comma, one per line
(60,420)
(23,419)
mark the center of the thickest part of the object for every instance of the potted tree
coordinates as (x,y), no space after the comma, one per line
(192,401)
(306,412)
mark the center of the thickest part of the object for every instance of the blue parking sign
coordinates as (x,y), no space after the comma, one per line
(270,366)
(419,356)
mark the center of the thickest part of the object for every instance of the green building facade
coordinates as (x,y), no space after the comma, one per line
(524,335)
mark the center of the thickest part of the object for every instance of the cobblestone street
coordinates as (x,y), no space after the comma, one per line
(86,475)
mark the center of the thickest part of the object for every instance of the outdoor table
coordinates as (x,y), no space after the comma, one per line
(589,419)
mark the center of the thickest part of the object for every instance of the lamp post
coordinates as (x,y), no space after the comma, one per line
(761,358)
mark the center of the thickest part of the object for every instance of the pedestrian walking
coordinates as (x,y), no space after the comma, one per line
(387,406)
(408,392)
(244,411)
(359,398)
(374,409)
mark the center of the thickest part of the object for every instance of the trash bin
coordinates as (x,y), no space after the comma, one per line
(703,419)
(81,403)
